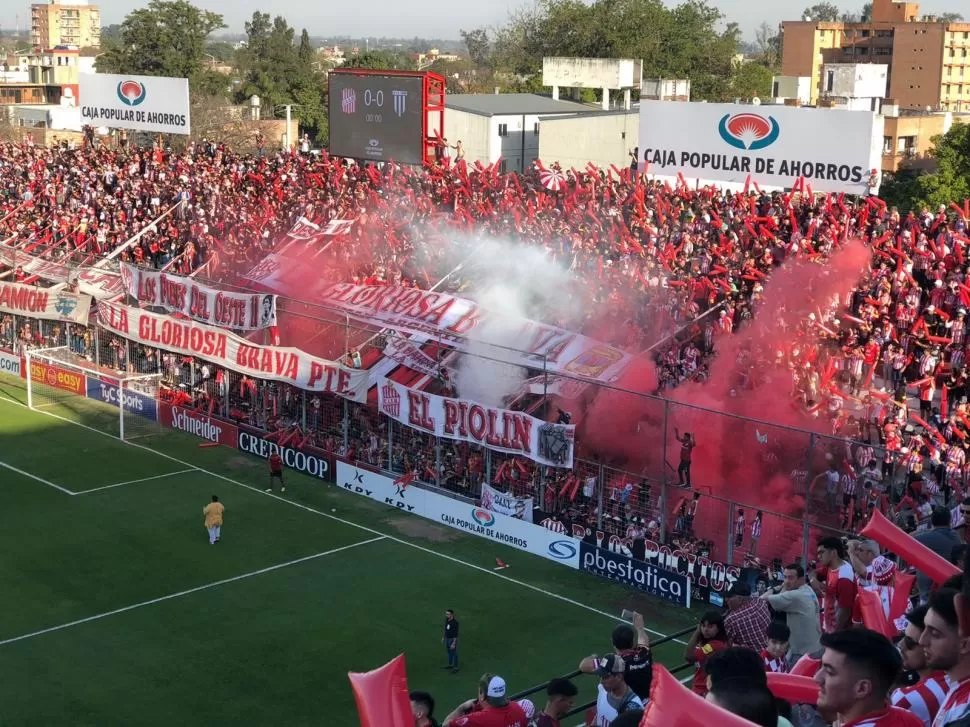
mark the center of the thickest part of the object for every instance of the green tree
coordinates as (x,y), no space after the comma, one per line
(823,12)
(950,181)
(221,50)
(306,52)
(951,17)
(382,60)
(751,80)
(865,15)
(167,38)
(478,45)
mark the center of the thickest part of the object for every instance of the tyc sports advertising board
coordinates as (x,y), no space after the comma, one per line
(141,103)
(834,150)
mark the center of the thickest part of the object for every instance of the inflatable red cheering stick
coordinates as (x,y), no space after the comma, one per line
(914,553)
(382,695)
(671,703)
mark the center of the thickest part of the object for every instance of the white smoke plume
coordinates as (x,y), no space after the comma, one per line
(513,283)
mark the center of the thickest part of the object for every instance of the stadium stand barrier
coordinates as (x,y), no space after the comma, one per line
(772,465)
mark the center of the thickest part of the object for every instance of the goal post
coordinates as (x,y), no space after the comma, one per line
(63,383)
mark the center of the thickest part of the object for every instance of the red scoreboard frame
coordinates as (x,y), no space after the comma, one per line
(432,103)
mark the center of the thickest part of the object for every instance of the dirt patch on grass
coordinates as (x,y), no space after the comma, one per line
(415,527)
(239,463)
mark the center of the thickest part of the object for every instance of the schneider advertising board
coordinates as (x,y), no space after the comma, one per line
(460,515)
(142,103)
(835,150)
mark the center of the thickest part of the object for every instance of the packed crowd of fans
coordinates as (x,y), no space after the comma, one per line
(884,366)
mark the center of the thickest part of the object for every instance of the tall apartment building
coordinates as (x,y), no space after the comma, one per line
(53,24)
(929,60)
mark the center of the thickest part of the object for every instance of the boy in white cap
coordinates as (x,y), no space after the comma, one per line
(491,709)
(614,696)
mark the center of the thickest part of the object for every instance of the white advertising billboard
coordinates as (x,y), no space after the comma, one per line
(141,103)
(459,515)
(833,150)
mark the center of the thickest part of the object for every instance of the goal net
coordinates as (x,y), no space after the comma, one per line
(62,383)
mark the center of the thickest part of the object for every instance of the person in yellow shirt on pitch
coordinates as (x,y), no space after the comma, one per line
(213,519)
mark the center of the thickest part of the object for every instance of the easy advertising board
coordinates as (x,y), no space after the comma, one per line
(644,577)
(10,364)
(107,391)
(833,150)
(459,515)
(142,103)
(309,461)
(58,378)
(198,425)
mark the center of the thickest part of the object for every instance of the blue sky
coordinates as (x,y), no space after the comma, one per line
(441,18)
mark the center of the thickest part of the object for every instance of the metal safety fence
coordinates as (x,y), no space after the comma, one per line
(755,497)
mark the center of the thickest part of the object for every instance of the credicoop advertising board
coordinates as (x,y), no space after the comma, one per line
(833,150)
(309,462)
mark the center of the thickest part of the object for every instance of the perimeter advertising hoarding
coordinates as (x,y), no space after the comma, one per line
(309,461)
(377,117)
(834,150)
(107,391)
(58,378)
(644,577)
(10,364)
(141,103)
(198,424)
(459,515)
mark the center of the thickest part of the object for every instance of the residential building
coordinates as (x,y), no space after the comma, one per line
(928,60)
(76,24)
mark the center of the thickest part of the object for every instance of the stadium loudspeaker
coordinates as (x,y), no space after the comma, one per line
(793,688)
(382,695)
(671,703)
(914,553)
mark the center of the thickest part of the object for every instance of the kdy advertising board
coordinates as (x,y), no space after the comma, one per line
(141,103)
(459,515)
(833,150)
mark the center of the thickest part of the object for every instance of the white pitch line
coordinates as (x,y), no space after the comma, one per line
(613,617)
(187,592)
(132,482)
(41,480)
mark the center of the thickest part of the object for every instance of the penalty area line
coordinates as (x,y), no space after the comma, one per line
(134,482)
(41,480)
(187,592)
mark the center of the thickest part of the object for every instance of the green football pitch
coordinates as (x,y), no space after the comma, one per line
(115,609)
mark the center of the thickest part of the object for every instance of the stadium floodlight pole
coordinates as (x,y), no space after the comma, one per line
(684,327)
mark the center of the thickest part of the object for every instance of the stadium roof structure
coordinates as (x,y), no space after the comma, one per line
(512,104)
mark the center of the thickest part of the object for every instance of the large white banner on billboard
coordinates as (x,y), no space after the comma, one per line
(178,294)
(833,150)
(224,348)
(503,430)
(52,305)
(142,103)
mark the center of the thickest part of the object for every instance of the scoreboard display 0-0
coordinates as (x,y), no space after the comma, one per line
(380,116)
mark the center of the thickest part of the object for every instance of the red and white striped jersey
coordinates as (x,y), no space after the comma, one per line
(773,664)
(923,699)
(892,717)
(955,706)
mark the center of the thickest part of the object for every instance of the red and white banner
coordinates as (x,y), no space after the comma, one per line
(454,320)
(199,425)
(97,282)
(223,348)
(507,504)
(409,354)
(52,305)
(503,430)
(555,386)
(179,294)
(308,233)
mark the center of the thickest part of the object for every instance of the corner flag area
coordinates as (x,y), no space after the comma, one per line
(117,610)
